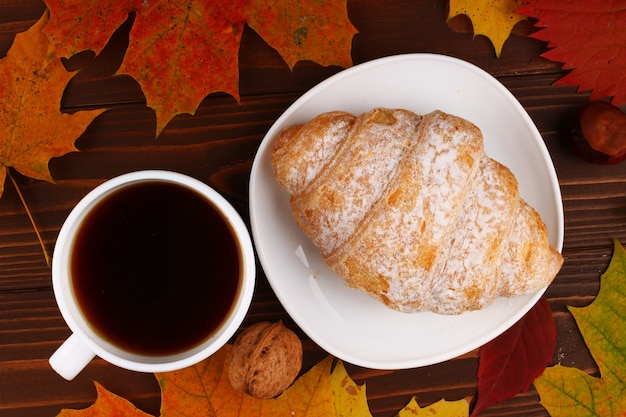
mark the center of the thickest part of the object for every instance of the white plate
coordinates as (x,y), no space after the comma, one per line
(350,324)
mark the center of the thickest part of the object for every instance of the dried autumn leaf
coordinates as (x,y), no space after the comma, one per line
(179,52)
(32,127)
(310,396)
(107,404)
(510,363)
(316,30)
(176,62)
(568,391)
(83,25)
(588,38)
(491,18)
(204,390)
(441,408)
(350,398)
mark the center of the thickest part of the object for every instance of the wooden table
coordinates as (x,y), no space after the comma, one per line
(217,146)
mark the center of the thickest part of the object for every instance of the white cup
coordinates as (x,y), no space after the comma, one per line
(85,343)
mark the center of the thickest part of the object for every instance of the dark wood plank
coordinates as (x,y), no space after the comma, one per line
(218,144)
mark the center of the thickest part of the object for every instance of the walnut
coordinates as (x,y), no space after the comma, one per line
(265,359)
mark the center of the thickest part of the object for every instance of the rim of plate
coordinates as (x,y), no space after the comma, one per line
(556,232)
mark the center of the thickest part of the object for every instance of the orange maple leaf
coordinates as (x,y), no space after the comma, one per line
(204,390)
(32,127)
(107,404)
(588,37)
(179,52)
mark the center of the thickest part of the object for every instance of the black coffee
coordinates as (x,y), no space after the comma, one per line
(155,268)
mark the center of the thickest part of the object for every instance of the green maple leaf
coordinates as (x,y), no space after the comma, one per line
(571,392)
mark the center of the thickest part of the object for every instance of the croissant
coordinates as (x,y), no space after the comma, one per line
(410,209)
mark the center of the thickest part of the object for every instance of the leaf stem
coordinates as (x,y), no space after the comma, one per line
(46,254)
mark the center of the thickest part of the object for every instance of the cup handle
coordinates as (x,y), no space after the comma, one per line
(71,357)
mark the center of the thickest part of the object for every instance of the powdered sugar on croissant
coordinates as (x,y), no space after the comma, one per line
(412,211)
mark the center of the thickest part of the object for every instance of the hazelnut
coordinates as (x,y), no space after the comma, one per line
(265,359)
(599,133)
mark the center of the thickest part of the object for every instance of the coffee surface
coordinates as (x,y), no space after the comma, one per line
(155,268)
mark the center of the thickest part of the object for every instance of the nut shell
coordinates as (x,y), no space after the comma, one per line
(265,359)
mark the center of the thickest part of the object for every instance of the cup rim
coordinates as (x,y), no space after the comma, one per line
(112,354)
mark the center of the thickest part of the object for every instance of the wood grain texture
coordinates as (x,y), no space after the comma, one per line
(217,145)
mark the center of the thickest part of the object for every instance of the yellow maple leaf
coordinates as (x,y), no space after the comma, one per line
(350,398)
(491,18)
(310,396)
(441,408)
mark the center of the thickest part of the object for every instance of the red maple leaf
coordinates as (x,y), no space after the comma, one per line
(510,363)
(589,38)
(181,51)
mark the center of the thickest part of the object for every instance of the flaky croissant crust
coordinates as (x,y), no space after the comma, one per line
(410,209)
